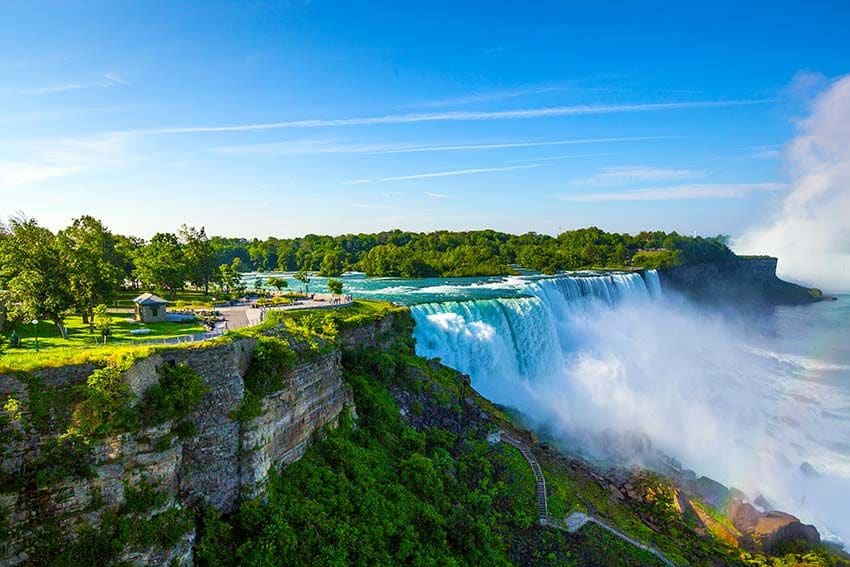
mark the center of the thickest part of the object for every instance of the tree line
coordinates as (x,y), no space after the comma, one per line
(399,253)
(44,274)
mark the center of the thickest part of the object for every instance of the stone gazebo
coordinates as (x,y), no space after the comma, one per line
(150,308)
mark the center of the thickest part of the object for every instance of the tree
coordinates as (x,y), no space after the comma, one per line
(103,321)
(258,283)
(34,273)
(161,263)
(335,286)
(303,276)
(94,271)
(200,256)
(229,278)
(278,283)
(332,264)
(126,248)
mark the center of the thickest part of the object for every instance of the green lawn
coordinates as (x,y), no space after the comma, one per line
(79,335)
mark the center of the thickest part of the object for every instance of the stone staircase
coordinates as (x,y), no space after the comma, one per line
(540,481)
(576,520)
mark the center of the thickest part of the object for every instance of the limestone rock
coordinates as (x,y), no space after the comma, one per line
(775,528)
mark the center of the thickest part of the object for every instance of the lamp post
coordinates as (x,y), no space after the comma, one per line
(35,327)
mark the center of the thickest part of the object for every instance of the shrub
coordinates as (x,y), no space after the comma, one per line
(67,456)
(215,546)
(142,497)
(105,407)
(249,408)
(272,359)
(178,394)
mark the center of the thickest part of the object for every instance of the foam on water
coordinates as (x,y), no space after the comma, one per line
(585,354)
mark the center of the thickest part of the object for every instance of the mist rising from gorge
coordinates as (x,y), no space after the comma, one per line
(714,394)
(724,396)
(810,232)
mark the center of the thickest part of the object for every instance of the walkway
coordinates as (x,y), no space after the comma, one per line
(243,315)
(576,520)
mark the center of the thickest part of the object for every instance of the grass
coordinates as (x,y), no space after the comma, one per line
(49,338)
(359,312)
(119,355)
(82,347)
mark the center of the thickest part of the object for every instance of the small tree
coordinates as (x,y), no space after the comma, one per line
(335,286)
(103,321)
(278,283)
(258,283)
(303,276)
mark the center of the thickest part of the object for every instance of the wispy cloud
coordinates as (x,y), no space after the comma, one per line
(439,195)
(636,174)
(562,156)
(332,146)
(477,97)
(531,144)
(450,173)
(458,116)
(107,80)
(677,193)
(46,159)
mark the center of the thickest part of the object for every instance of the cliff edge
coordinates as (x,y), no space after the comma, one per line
(745,281)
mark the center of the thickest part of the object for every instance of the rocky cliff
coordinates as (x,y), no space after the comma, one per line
(150,481)
(749,281)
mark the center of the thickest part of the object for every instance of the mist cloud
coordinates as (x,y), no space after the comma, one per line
(810,232)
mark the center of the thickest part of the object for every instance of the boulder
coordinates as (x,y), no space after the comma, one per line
(776,528)
(743,515)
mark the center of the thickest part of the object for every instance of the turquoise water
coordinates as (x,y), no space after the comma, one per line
(414,291)
(744,401)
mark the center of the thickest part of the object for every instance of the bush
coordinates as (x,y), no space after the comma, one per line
(105,408)
(215,546)
(67,456)
(272,360)
(249,408)
(178,394)
(142,497)
(657,259)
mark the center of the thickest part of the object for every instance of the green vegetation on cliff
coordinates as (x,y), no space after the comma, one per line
(407,477)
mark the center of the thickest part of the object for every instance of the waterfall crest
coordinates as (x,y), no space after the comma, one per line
(519,338)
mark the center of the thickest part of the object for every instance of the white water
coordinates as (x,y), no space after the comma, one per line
(587,354)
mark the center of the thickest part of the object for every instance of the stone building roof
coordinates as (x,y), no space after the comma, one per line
(149,299)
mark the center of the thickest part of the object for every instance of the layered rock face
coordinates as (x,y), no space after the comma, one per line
(745,281)
(219,462)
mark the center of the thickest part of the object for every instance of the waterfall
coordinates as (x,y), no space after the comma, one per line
(511,340)
(743,402)
(653,283)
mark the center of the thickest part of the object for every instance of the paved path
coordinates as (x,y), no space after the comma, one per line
(576,520)
(243,315)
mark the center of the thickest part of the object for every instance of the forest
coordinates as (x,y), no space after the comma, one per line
(470,253)
(44,274)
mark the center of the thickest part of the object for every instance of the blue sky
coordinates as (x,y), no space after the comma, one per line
(283,118)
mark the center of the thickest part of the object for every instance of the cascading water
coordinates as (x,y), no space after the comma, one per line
(742,401)
(515,339)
